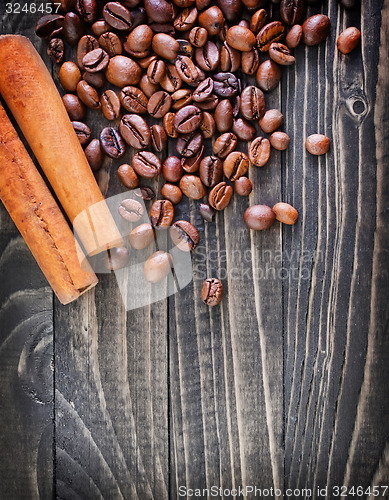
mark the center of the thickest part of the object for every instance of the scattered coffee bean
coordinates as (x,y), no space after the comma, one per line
(83,132)
(268,75)
(146,193)
(224,145)
(220,196)
(55,50)
(189,144)
(271,120)
(316,29)
(230,58)
(243,186)
(100,27)
(95,80)
(171,192)
(172,170)
(212,292)
(73,28)
(272,32)
(127,176)
(122,71)
(112,142)
(192,187)
(281,54)
(159,104)
(250,61)
(252,103)
(95,61)
(259,217)
(165,46)
(192,164)
(243,129)
(117,258)
(75,108)
(294,36)
(279,140)
(117,16)
(133,100)
(146,164)
(240,38)
(212,20)
(135,131)
(184,235)
(87,10)
(317,144)
(258,21)
(141,236)
(111,43)
(291,11)
(157,266)
(161,213)
(86,44)
(69,76)
(198,36)
(50,26)
(348,40)
(110,104)
(259,151)
(94,155)
(131,210)
(235,165)
(207,212)
(188,119)
(285,213)
(225,85)
(211,171)
(158,138)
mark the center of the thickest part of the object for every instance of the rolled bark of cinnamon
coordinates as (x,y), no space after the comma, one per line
(39,219)
(33,99)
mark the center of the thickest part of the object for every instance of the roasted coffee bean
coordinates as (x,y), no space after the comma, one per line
(348,40)
(188,119)
(50,26)
(111,43)
(220,196)
(117,258)
(66,5)
(141,236)
(172,80)
(117,16)
(186,19)
(211,171)
(165,46)
(259,217)
(243,186)
(268,75)
(209,103)
(83,132)
(100,27)
(159,104)
(122,71)
(224,145)
(252,103)
(259,151)
(145,62)
(186,48)
(192,164)
(172,193)
(55,50)
(146,164)
(168,125)
(148,88)
(317,144)
(69,76)
(279,140)
(127,176)
(96,80)
(294,36)
(73,28)
(235,165)
(75,108)
(158,265)
(243,129)
(87,10)
(271,120)
(184,235)
(134,100)
(212,292)
(285,213)
(110,105)
(192,187)
(131,210)
(112,142)
(95,61)
(281,54)
(140,38)
(187,71)
(229,58)
(240,38)
(86,44)
(224,116)
(189,144)
(156,71)
(272,32)
(208,56)
(231,9)
(198,36)
(135,131)
(160,11)
(208,125)
(316,29)
(167,29)
(94,155)
(212,20)
(139,15)
(158,138)
(146,193)
(171,169)
(181,98)
(161,213)
(225,85)
(207,212)
(258,21)
(250,61)
(88,95)
(291,11)
(203,4)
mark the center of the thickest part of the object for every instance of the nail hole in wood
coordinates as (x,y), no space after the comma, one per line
(358,107)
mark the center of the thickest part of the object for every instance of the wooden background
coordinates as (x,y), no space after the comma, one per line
(284,385)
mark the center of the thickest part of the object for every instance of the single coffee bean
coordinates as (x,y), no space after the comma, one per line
(158,265)
(146,164)
(117,16)
(122,71)
(224,145)
(133,99)
(186,48)
(55,50)
(225,84)
(95,61)
(117,258)
(172,80)
(348,40)
(212,20)
(243,186)
(83,132)
(198,36)
(188,119)
(279,140)
(172,193)
(316,29)
(229,58)
(88,95)
(73,28)
(181,98)
(95,80)
(186,19)
(294,36)
(112,142)
(240,38)
(223,116)
(141,236)
(271,120)
(87,10)
(317,144)
(100,27)
(259,151)
(211,171)
(49,26)
(158,138)
(268,75)
(252,103)
(168,125)
(250,61)
(209,103)
(127,176)
(285,213)
(258,21)
(208,56)
(111,43)
(207,212)
(189,144)
(243,129)
(192,187)
(146,193)
(232,9)
(184,236)
(220,196)
(69,76)
(159,104)
(161,213)
(110,105)
(140,38)
(148,88)
(212,292)
(291,11)
(202,4)
(156,71)
(86,44)
(259,217)
(75,108)
(94,155)
(171,169)
(192,164)
(135,131)
(235,165)
(208,125)
(281,54)
(188,72)
(272,32)
(131,210)
(165,46)
(160,11)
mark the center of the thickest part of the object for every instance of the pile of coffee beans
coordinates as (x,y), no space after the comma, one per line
(183,65)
